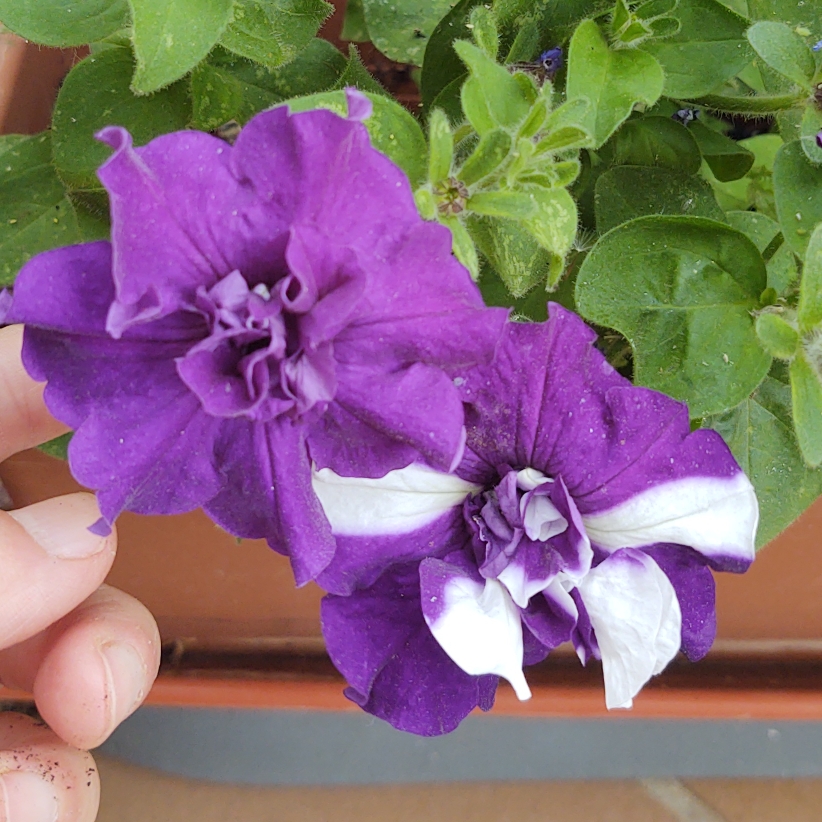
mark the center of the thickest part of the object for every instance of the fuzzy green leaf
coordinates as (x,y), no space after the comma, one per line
(726,158)
(760,434)
(612,81)
(625,192)
(58,23)
(806,400)
(36,213)
(783,50)
(809,310)
(172,36)
(778,337)
(273,32)
(797,187)
(681,291)
(401,29)
(96,94)
(709,48)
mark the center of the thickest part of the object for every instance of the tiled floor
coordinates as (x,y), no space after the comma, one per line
(132,794)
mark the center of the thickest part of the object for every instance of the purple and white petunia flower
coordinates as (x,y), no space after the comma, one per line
(261,307)
(584,509)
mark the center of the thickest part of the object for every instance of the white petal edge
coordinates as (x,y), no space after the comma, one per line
(520,587)
(718,517)
(398,503)
(480,629)
(637,621)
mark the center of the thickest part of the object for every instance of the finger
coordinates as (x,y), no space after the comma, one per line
(41,778)
(24,419)
(50,563)
(92,669)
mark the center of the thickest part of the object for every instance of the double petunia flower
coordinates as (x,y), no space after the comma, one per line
(274,334)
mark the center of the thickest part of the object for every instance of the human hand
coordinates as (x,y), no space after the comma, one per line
(89,653)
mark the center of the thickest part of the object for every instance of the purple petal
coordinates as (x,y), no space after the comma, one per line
(474,620)
(359,561)
(551,616)
(266,493)
(181,219)
(423,306)
(585,642)
(696,592)
(359,106)
(323,167)
(417,407)
(378,640)
(573,544)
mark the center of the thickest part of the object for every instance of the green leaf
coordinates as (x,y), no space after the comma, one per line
(484,28)
(440,146)
(36,213)
(625,192)
(463,246)
(492,90)
(515,255)
(57,447)
(357,75)
(172,36)
(727,159)
(226,87)
(392,129)
(797,187)
(354,26)
(803,13)
(755,189)
(657,141)
(487,157)
(681,291)
(513,205)
(809,310)
(806,397)
(273,32)
(401,29)
(441,65)
(809,127)
(561,139)
(754,105)
(96,94)
(57,23)
(557,19)
(554,225)
(612,81)
(760,434)
(783,50)
(778,337)
(709,48)
(766,235)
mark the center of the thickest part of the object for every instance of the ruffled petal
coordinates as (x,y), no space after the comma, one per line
(636,617)
(266,493)
(417,407)
(475,621)
(377,638)
(181,219)
(551,616)
(696,593)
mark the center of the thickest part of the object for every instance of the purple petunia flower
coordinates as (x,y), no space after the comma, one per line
(261,307)
(584,509)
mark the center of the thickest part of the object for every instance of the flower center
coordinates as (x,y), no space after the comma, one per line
(519,508)
(254,362)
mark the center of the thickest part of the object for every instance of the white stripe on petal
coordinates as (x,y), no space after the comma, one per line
(398,503)
(717,517)
(637,621)
(480,629)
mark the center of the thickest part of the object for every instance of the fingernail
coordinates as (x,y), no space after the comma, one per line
(61,526)
(27,797)
(125,681)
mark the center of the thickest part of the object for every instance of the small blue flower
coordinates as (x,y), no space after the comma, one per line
(817,46)
(551,61)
